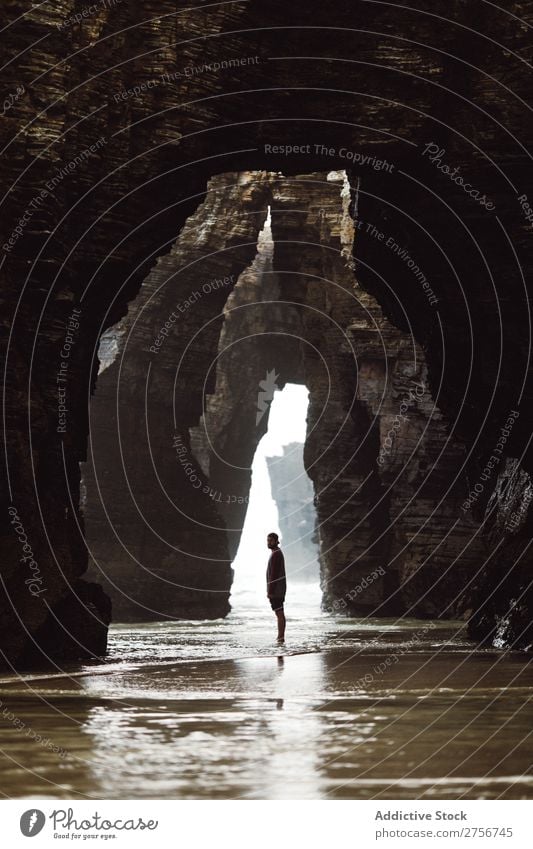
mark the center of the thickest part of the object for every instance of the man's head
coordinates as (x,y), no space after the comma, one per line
(272,540)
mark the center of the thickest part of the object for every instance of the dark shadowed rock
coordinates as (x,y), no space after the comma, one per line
(122,119)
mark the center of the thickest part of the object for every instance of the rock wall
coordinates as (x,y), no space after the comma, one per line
(388,478)
(112,125)
(500,600)
(259,350)
(387,474)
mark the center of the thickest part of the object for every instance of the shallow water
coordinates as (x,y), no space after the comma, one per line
(348,709)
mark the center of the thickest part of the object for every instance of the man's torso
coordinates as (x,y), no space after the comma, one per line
(276,579)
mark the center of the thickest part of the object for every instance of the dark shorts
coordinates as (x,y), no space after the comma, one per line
(276,602)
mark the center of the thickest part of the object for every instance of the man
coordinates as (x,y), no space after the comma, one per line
(276,582)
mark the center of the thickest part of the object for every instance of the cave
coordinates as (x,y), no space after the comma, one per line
(177,416)
(176,239)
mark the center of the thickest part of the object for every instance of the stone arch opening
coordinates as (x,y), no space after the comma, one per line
(260,282)
(281,499)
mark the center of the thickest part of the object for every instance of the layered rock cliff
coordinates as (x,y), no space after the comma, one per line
(388,478)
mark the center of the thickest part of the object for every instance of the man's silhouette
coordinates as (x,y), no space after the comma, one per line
(276,582)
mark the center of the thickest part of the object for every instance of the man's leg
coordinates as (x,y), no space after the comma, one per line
(280,614)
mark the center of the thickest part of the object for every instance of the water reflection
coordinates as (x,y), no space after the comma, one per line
(280,748)
(179,718)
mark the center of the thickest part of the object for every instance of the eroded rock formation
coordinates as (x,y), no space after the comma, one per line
(259,350)
(389,480)
(387,476)
(156,525)
(113,124)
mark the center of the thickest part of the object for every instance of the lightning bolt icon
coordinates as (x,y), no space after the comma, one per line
(33,820)
(268,385)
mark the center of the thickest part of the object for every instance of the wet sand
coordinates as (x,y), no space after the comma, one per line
(369,710)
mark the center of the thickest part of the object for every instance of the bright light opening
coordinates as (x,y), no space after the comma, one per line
(296,525)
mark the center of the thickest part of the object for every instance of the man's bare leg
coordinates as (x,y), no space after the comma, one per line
(281,625)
